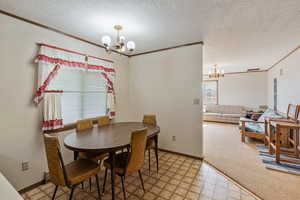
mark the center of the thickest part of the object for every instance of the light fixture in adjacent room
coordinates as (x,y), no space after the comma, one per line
(119,44)
(216,72)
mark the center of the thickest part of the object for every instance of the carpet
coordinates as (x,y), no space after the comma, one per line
(270,163)
(224,150)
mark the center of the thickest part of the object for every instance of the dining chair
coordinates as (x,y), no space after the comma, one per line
(151,120)
(69,175)
(130,162)
(103,121)
(83,125)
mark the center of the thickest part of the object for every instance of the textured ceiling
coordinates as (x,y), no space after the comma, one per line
(237,34)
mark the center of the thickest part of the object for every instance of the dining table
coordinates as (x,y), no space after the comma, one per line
(109,139)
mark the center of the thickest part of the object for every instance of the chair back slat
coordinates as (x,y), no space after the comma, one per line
(53,158)
(137,154)
(103,121)
(149,119)
(293,111)
(85,124)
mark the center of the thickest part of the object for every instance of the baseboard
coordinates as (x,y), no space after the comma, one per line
(26,189)
(220,122)
(182,154)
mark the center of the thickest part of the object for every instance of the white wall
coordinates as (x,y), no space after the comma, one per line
(288,83)
(165,84)
(20,135)
(245,89)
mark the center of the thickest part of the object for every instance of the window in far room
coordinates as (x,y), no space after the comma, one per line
(210,92)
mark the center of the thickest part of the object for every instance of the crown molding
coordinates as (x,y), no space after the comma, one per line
(283,58)
(242,72)
(168,48)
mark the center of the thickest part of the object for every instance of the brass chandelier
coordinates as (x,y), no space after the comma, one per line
(120,44)
(216,72)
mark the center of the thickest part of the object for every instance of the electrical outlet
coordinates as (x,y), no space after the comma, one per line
(173,138)
(25,165)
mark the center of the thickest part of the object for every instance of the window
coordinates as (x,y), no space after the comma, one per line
(210,92)
(84,94)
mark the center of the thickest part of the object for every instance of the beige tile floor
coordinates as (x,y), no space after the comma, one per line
(179,178)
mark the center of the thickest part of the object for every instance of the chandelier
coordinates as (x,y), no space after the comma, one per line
(216,72)
(119,42)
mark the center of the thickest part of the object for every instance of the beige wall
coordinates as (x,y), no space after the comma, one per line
(165,84)
(245,89)
(288,83)
(20,135)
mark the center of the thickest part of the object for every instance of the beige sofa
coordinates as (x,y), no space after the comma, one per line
(223,113)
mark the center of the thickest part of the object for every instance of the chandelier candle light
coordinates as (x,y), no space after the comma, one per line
(216,72)
(120,42)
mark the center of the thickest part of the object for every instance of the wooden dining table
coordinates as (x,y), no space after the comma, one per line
(108,139)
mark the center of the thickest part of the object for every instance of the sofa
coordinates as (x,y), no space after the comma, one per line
(223,113)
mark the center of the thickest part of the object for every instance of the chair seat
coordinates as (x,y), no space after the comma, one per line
(81,169)
(120,163)
(93,156)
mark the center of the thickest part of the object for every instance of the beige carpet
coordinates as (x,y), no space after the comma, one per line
(240,161)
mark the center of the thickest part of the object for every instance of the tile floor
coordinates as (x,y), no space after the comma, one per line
(179,178)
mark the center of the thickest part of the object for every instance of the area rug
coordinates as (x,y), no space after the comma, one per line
(270,163)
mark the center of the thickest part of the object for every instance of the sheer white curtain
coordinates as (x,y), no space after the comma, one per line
(108,74)
(52,111)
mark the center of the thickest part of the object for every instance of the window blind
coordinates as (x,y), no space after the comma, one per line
(84,94)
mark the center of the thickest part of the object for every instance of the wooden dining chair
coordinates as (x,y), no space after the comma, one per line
(151,120)
(83,125)
(132,161)
(103,121)
(69,175)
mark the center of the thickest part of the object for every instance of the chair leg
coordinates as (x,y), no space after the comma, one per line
(243,137)
(72,192)
(105,177)
(149,153)
(123,187)
(98,187)
(82,185)
(90,181)
(140,174)
(55,190)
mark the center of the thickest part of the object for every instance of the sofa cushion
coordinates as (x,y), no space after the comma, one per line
(232,115)
(225,109)
(254,127)
(269,113)
(212,114)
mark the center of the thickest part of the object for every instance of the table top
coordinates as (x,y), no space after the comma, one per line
(107,138)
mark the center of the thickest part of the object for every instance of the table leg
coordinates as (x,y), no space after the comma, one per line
(296,140)
(156,150)
(277,149)
(112,172)
(76,154)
